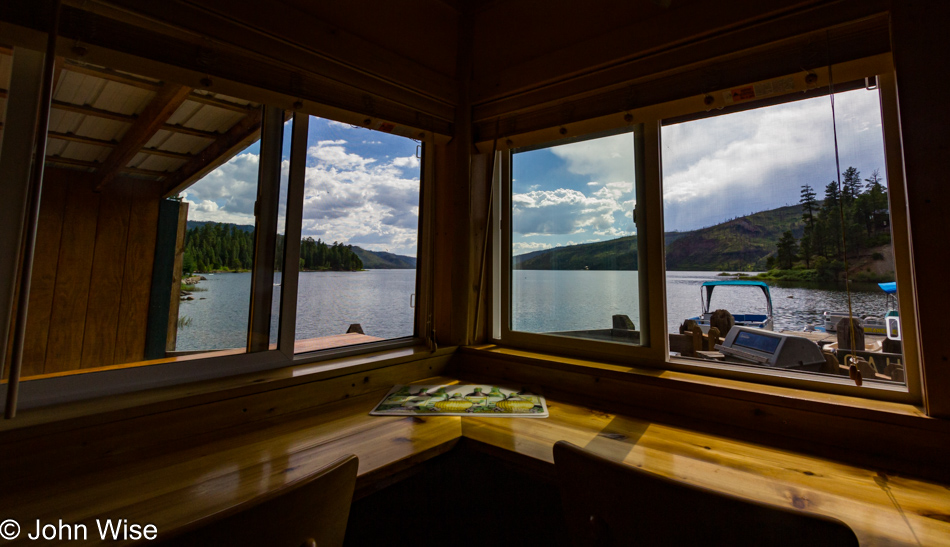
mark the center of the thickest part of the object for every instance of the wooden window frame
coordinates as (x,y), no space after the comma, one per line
(651,347)
(658,354)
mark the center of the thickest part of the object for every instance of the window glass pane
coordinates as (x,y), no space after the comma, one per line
(756,194)
(357,279)
(218,256)
(573,240)
(281,232)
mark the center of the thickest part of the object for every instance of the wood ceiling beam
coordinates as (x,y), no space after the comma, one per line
(220,103)
(156,113)
(113,75)
(142,83)
(93,111)
(239,137)
(127,118)
(96,165)
(167,154)
(72,137)
(189,131)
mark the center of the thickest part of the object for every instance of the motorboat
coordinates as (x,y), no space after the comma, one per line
(886,325)
(752,320)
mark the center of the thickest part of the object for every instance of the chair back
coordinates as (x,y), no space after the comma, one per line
(311,512)
(610,503)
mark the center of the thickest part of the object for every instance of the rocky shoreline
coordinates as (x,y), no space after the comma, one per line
(191,280)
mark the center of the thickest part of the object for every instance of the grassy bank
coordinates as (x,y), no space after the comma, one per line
(804,275)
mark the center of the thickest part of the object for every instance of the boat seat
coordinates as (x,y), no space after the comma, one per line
(610,503)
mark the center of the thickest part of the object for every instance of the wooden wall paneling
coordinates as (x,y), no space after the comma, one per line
(299,25)
(137,279)
(671,30)
(442,245)
(108,272)
(45,261)
(918,35)
(453,250)
(746,55)
(777,59)
(74,275)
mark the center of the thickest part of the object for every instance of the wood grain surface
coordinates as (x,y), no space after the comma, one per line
(178,481)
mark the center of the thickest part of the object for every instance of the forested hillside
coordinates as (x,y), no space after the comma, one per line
(318,256)
(381,260)
(807,235)
(212,246)
(616,254)
(739,244)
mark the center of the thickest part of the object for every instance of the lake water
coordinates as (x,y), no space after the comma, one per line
(544,301)
(328,303)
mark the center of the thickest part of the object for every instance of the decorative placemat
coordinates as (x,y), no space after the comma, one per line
(461,400)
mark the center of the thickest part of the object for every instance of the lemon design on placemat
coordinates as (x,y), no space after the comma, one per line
(514,403)
(456,403)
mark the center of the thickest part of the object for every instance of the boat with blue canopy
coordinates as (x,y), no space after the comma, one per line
(754,320)
(872,324)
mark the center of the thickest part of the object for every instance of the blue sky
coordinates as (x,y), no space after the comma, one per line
(362,187)
(713,170)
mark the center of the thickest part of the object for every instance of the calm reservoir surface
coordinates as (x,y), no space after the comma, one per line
(544,301)
(327,303)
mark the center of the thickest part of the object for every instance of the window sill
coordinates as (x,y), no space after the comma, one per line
(150,401)
(686,381)
(882,434)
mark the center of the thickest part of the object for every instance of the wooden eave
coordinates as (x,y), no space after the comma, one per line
(134,132)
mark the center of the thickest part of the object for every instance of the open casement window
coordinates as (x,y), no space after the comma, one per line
(357,281)
(148,240)
(572,239)
(186,234)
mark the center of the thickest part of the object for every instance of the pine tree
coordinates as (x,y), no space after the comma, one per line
(850,186)
(810,207)
(870,204)
(829,221)
(787,250)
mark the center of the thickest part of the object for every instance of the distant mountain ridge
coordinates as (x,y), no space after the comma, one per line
(199,223)
(381,260)
(372,260)
(740,244)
